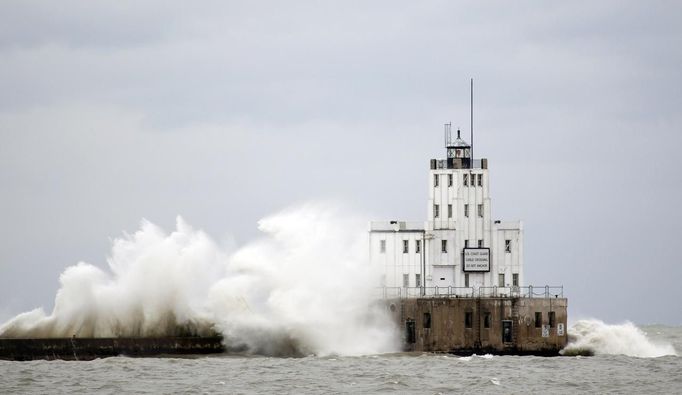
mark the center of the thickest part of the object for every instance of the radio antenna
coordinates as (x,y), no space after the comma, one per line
(472,123)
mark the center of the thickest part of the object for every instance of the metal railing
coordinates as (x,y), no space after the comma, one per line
(530,291)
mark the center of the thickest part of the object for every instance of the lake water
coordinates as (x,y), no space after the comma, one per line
(388,373)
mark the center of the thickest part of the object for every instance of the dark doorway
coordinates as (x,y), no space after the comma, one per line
(410,334)
(507,331)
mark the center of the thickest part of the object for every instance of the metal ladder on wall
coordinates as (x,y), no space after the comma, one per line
(477,324)
(516,325)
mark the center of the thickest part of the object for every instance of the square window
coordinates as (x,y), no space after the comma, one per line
(435,180)
(507,246)
(417,246)
(450,180)
(436,211)
(449,210)
(443,246)
(382,246)
(406,246)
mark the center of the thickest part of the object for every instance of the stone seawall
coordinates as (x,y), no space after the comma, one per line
(495,325)
(91,348)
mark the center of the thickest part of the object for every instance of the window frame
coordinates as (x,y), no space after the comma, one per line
(444,246)
(406,246)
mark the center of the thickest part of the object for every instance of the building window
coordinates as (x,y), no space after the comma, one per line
(382,246)
(435,180)
(480,180)
(443,246)
(449,210)
(466,243)
(450,180)
(466,280)
(417,280)
(480,243)
(406,246)
(406,280)
(500,280)
(552,319)
(480,210)
(466,210)
(436,210)
(515,279)
(468,319)
(507,246)
(427,320)
(538,319)
(417,246)
(486,320)
(465,180)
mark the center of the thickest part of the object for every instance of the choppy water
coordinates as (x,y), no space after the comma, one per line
(402,373)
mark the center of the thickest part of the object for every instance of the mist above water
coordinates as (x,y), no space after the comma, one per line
(304,288)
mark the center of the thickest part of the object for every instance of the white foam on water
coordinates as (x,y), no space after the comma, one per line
(623,339)
(304,288)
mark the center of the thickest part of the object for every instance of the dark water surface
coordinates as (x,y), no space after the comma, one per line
(392,373)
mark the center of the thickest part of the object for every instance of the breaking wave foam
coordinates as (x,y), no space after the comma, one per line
(304,288)
(624,339)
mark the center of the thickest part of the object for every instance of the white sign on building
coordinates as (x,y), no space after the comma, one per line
(476,259)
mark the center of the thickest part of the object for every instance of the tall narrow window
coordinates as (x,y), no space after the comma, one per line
(436,210)
(486,320)
(427,320)
(449,210)
(465,180)
(552,319)
(466,280)
(480,210)
(466,210)
(468,319)
(480,180)
(466,243)
(382,246)
(515,279)
(406,280)
(443,246)
(417,280)
(500,280)
(538,319)
(406,246)
(507,246)
(418,246)
(480,243)
(435,180)
(450,180)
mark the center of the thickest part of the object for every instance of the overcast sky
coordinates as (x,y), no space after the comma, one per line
(111,112)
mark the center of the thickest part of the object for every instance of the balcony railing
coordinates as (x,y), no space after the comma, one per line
(530,291)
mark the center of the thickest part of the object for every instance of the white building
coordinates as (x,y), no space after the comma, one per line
(460,249)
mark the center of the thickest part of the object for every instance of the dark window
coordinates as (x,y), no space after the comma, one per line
(538,319)
(507,246)
(466,180)
(443,246)
(436,210)
(480,210)
(466,280)
(417,280)
(486,320)
(435,180)
(410,332)
(449,210)
(480,180)
(515,279)
(449,180)
(466,210)
(480,244)
(418,246)
(468,319)
(466,243)
(552,319)
(406,246)
(427,320)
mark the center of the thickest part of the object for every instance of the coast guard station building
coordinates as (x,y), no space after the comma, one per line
(460,250)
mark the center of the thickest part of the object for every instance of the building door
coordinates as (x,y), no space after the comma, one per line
(507,331)
(443,277)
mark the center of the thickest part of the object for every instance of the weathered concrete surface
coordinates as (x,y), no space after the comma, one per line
(91,348)
(451,331)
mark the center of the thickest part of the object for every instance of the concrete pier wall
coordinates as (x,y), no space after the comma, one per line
(504,325)
(91,348)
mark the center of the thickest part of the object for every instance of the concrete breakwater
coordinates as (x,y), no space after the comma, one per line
(91,348)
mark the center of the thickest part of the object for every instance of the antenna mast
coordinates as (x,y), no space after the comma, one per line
(472,124)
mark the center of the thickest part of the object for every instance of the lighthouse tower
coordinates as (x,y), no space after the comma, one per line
(460,249)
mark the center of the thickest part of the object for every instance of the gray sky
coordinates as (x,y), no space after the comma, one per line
(229,111)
